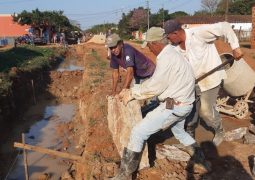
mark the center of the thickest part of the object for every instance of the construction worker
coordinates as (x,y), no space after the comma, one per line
(138,66)
(173,82)
(197,46)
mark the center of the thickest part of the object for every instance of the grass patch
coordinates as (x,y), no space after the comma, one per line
(5,84)
(97,68)
(23,56)
(92,122)
(26,59)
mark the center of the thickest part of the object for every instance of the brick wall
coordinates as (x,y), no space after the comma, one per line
(253,28)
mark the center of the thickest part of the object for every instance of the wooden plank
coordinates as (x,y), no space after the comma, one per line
(48,151)
(25,158)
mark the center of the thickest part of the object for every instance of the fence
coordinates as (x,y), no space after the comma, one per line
(243,35)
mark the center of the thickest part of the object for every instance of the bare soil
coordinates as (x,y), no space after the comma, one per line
(93,139)
(229,161)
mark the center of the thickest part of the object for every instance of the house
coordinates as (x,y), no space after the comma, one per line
(9,29)
(242,24)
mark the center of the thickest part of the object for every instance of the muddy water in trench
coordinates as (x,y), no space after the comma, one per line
(70,64)
(43,133)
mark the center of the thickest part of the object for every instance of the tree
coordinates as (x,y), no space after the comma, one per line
(201,13)
(138,19)
(177,14)
(123,26)
(102,28)
(209,5)
(38,18)
(242,7)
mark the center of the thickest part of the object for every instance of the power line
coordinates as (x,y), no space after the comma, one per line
(17,1)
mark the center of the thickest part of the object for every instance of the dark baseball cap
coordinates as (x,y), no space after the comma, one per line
(171,26)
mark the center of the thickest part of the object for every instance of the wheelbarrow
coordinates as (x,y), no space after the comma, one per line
(239,84)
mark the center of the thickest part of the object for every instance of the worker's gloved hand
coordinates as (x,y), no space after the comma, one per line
(237,53)
(125,96)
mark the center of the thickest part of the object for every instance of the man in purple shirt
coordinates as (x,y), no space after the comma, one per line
(137,65)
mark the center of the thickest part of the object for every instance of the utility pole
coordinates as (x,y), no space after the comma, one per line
(148,14)
(226,10)
(163,18)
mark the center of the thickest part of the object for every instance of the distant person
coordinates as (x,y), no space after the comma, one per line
(138,66)
(63,39)
(197,46)
(31,35)
(54,37)
(108,33)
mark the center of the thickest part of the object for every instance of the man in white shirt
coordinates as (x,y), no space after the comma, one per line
(197,46)
(173,82)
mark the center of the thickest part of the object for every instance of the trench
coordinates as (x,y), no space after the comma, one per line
(49,129)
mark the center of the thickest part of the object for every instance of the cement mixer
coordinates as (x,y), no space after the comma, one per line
(239,84)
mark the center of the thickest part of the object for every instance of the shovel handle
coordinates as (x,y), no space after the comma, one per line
(230,59)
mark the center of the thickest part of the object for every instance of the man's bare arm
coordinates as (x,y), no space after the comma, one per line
(115,77)
(129,77)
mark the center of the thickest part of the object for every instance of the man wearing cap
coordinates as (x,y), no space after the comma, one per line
(137,65)
(197,46)
(173,82)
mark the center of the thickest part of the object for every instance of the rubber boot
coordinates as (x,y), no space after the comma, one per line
(129,164)
(197,155)
(191,131)
(218,136)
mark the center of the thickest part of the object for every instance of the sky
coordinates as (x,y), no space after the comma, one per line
(92,12)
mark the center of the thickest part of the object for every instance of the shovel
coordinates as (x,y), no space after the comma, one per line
(229,60)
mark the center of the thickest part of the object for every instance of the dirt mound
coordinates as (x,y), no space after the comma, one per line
(99,39)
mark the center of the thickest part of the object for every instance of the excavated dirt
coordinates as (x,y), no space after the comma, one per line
(229,161)
(93,141)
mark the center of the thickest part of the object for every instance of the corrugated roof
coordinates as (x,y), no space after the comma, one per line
(8,28)
(214,19)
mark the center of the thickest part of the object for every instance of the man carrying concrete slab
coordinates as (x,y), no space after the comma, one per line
(197,47)
(173,82)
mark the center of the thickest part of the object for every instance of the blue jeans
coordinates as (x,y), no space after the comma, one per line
(161,118)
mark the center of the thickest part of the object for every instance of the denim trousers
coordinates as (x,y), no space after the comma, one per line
(205,108)
(161,118)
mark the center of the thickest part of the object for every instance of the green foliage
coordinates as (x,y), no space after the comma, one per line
(241,7)
(23,56)
(5,84)
(26,59)
(97,69)
(201,13)
(177,14)
(103,28)
(38,18)
(123,26)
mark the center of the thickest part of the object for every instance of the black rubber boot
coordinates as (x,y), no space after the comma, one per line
(129,164)
(198,157)
(191,131)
